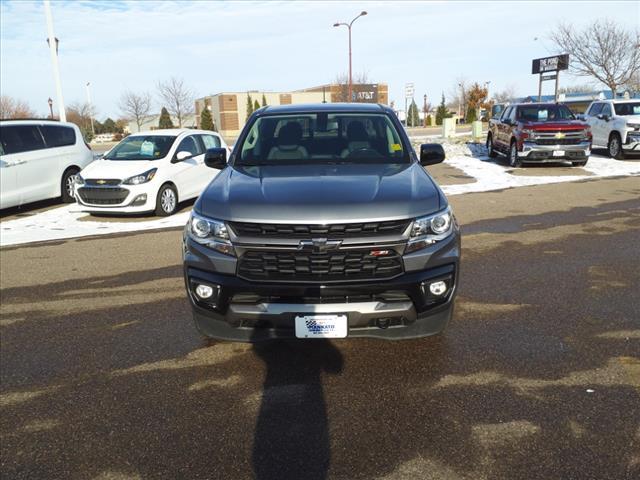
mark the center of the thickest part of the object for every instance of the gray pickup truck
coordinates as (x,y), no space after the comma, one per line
(323,223)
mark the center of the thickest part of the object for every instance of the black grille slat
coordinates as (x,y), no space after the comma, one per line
(277,230)
(330,266)
(558,141)
(103,195)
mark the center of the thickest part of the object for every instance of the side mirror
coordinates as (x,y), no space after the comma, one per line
(216,158)
(431,153)
(604,117)
(180,156)
(581,116)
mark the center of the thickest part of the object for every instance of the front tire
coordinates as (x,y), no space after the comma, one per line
(514,161)
(491,151)
(167,201)
(67,185)
(615,146)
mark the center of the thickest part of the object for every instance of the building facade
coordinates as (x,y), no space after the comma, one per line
(229,109)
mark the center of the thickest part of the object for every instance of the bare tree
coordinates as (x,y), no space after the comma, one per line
(342,80)
(81,114)
(13,108)
(576,88)
(135,106)
(508,94)
(603,50)
(178,98)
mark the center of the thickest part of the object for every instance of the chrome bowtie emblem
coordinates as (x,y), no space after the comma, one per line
(101,182)
(319,245)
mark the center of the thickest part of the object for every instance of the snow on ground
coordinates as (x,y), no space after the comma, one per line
(68,222)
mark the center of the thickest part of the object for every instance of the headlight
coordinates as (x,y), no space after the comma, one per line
(142,178)
(527,133)
(79,180)
(210,232)
(426,231)
(633,126)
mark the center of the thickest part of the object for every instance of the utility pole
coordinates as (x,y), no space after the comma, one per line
(93,130)
(53,49)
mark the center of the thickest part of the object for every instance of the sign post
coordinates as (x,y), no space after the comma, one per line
(551,65)
(409,91)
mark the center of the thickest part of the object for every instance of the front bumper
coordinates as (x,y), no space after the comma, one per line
(412,313)
(396,308)
(632,143)
(129,199)
(532,151)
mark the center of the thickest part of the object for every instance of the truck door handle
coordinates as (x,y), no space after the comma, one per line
(17,162)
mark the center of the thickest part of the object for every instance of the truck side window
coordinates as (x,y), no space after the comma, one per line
(606,110)
(595,109)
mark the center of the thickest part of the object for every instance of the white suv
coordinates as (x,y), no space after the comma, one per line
(38,160)
(149,171)
(615,124)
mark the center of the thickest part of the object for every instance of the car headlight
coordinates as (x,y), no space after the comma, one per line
(633,126)
(528,133)
(142,178)
(428,230)
(212,233)
(79,180)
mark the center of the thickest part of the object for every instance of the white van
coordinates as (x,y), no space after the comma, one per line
(149,171)
(39,159)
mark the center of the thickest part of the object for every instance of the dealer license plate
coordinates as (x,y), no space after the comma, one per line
(321,326)
(558,153)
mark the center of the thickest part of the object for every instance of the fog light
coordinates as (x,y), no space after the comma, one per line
(438,288)
(139,200)
(204,291)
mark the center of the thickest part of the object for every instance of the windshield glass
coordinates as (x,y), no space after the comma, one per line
(543,113)
(624,109)
(141,147)
(321,138)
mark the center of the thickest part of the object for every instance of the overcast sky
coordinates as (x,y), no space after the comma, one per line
(280,46)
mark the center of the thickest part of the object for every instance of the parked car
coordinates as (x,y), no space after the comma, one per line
(148,171)
(539,132)
(324,223)
(615,125)
(39,160)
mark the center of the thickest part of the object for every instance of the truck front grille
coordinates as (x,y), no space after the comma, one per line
(340,265)
(103,195)
(341,230)
(569,137)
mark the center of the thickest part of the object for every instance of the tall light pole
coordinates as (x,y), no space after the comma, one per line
(93,130)
(50,102)
(348,25)
(53,49)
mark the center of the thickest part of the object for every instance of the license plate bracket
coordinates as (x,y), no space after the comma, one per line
(329,325)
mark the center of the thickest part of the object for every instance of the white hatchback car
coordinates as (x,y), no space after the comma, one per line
(148,171)
(39,159)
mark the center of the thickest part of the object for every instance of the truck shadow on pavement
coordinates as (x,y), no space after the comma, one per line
(291,437)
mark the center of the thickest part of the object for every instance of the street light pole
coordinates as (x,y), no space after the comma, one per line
(53,49)
(50,102)
(93,130)
(348,25)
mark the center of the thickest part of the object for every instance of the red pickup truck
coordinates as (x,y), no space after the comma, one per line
(539,132)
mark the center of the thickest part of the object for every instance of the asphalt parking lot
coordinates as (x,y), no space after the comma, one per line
(103,375)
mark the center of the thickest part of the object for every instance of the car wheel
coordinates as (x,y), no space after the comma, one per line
(514,161)
(492,153)
(67,184)
(167,201)
(615,146)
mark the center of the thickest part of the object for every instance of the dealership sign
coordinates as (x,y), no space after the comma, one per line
(550,64)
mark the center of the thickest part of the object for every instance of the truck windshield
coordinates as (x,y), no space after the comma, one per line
(141,147)
(624,109)
(321,138)
(543,113)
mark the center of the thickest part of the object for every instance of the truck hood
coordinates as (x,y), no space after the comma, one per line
(320,193)
(557,125)
(119,169)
